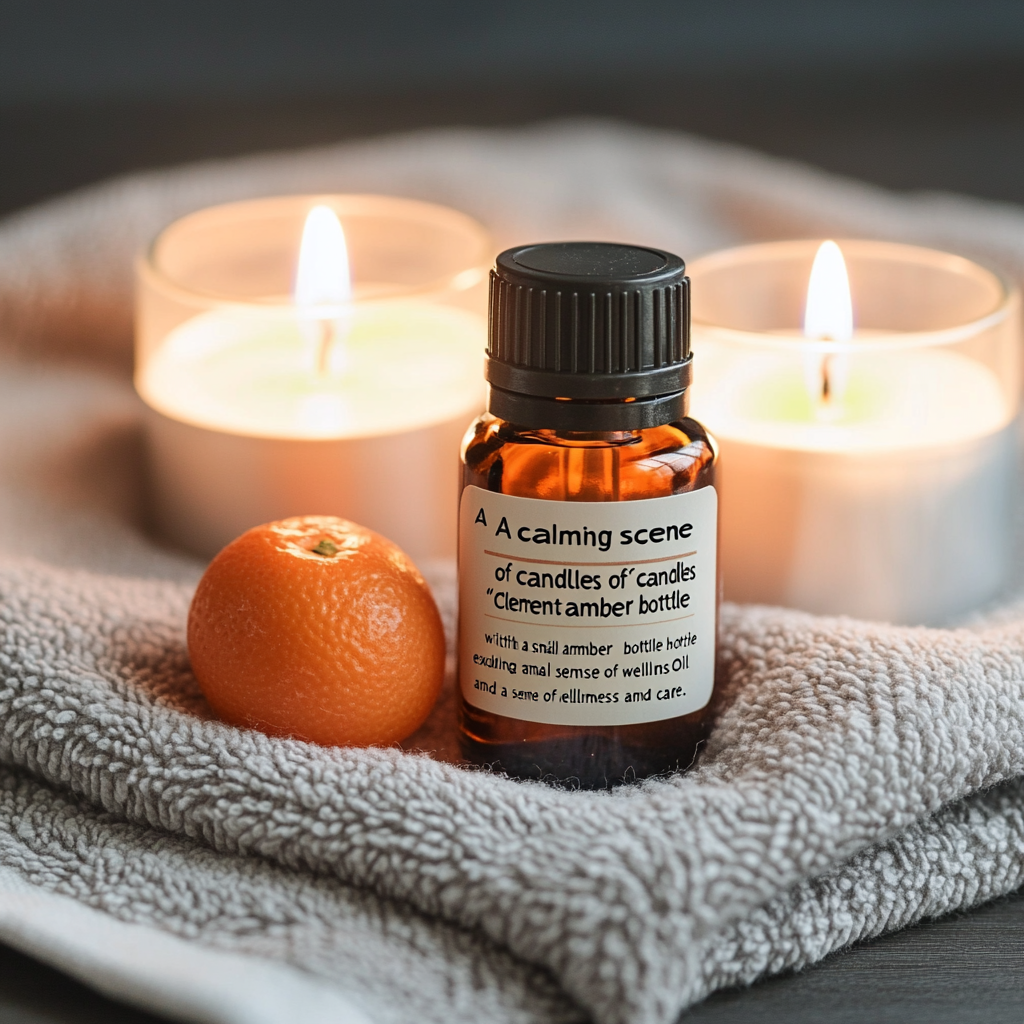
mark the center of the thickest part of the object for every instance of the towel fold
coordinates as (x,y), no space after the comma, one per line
(859,777)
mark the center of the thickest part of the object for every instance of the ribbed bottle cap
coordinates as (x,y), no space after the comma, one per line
(606,326)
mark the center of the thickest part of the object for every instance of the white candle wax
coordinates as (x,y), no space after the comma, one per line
(287,379)
(871,476)
(896,510)
(248,430)
(393,367)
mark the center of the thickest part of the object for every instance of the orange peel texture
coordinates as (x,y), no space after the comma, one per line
(317,628)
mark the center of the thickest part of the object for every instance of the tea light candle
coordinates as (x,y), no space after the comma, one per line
(280,382)
(869,445)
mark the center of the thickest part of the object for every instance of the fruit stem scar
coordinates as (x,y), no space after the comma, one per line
(326,547)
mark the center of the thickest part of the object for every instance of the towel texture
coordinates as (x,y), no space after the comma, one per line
(860,776)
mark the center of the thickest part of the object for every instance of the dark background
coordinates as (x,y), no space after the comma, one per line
(906,93)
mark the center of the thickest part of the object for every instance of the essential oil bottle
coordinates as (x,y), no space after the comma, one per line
(588,524)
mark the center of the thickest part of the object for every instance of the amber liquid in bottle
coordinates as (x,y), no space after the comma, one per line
(627,465)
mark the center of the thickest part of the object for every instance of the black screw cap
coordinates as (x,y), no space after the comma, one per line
(588,336)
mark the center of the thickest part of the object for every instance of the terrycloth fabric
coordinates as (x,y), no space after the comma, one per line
(860,776)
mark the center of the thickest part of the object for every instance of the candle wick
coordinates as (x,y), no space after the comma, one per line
(826,381)
(326,342)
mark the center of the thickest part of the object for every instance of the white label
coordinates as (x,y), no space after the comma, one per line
(587,612)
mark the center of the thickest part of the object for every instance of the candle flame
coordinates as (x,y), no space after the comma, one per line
(322,276)
(322,284)
(828,316)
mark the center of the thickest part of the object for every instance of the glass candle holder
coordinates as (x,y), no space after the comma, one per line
(869,473)
(311,355)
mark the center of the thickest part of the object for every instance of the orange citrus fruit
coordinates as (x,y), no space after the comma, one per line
(317,628)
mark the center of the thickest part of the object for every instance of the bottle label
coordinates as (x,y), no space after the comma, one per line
(587,612)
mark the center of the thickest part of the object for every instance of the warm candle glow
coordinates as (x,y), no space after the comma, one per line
(828,316)
(292,366)
(322,276)
(328,365)
(323,287)
(868,467)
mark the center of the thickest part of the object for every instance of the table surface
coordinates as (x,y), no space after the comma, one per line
(955,128)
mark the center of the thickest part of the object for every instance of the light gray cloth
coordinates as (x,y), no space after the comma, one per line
(860,776)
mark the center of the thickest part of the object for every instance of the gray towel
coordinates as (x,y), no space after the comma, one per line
(860,776)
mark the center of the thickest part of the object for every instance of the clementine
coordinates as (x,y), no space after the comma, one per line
(320,629)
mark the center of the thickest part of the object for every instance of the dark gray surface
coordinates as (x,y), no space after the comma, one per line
(965,969)
(32,993)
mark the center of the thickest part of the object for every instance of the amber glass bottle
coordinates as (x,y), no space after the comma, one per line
(588,524)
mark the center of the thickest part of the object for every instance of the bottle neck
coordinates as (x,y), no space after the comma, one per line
(569,438)
(566,416)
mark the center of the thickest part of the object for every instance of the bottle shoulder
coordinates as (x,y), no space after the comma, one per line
(613,466)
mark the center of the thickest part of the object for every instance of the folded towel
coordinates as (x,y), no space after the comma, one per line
(859,777)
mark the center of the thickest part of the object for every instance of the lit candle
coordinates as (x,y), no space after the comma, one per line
(348,396)
(867,467)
